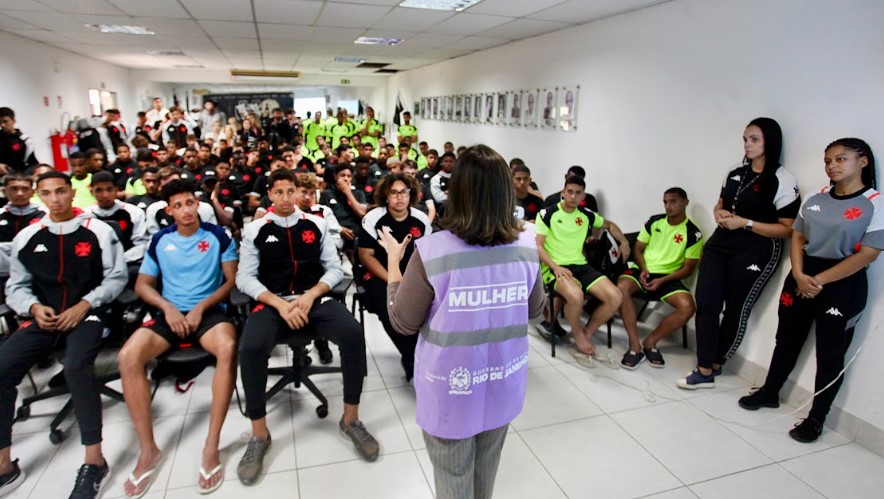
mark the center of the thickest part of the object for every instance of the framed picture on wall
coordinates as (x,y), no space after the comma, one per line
(548,108)
(477,108)
(567,108)
(458,108)
(417,109)
(500,110)
(530,107)
(449,108)
(443,108)
(489,109)
(514,108)
(468,108)
(435,114)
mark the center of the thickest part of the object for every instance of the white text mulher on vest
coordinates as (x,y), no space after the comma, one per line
(477,298)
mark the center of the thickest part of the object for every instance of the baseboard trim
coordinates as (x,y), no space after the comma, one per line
(847,424)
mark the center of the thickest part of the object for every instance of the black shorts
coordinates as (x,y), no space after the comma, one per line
(211,318)
(665,290)
(584,274)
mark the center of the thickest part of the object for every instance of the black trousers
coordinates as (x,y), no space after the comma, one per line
(376,292)
(265,328)
(731,277)
(836,310)
(30,344)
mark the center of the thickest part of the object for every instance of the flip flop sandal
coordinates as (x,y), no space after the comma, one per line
(631,360)
(607,360)
(655,359)
(144,476)
(208,476)
(583,359)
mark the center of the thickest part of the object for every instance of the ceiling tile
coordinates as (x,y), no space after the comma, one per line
(153,8)
(514,8)
(51,21)
(82,6)
(281,45)
(287,11)
(174,27)
(384,33)
(229,29)
(283,31)
(219,10)
(477,43)
(369,2)
(8,23)
(581,11)
(524,28)
(23,5)
(342,35)
(188,44)
(41,35)
(350,15)
(403,18)
(468,24)
(445,53)
(236,43)
(430,40)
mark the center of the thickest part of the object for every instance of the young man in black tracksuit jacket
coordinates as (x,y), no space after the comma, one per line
(288,263)
(16,215)
(64,272)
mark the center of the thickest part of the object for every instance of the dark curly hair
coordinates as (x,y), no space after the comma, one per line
(382,190)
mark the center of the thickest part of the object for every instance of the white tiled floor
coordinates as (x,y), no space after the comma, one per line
(597,433)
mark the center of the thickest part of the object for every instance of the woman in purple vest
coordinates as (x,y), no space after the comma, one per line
(470,291)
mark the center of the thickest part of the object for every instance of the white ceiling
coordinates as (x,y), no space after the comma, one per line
(299,35)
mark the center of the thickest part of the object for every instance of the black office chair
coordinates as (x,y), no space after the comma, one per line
(358,300)
(125,301)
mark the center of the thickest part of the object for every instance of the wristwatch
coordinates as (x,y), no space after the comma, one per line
(748,225)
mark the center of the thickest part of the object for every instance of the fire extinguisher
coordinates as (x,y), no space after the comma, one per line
(61,142)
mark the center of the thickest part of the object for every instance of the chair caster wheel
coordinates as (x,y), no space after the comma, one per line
(322,411)
(24,412)
(56,436)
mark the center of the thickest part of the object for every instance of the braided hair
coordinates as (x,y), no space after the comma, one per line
(862,149)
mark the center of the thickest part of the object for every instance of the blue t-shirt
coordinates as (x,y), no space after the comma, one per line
(190,267)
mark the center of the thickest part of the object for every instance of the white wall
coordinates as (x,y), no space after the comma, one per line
(31,71)
(665,94)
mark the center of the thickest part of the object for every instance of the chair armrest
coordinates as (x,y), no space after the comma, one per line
(238,298)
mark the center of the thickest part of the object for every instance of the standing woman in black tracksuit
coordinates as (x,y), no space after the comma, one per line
(839,232)
(755,210)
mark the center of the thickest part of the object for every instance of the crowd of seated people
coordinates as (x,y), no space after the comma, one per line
(185,207)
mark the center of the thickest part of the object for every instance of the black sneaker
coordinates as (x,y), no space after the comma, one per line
(10,481)
(807,431)
(90,480)
(408,367)
(325,353)
(758,399)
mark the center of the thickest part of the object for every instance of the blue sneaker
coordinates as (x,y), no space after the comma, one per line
(695,380)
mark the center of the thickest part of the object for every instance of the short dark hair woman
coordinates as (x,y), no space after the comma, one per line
(758,202)
(470,291)
(395,196)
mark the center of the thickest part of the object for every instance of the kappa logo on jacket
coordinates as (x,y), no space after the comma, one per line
(834,311)
(271,239)
(735,178)
(753,267)
(815,207)
(41,248)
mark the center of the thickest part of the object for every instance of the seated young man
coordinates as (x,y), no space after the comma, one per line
(288,264)
(129,219)
(196,264)
(589,201)
(347,203)
(156,214)
(667,250)
(64,273)
(527,204)
(17,214)
(561,231)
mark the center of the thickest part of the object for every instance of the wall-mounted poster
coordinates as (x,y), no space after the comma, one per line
(449,108)
(529,108)
(514,106)
(548,103)
(417,109)
(435,114)
(443,108)
(501,108)
(468,108)
(477,108)
(423,112)
(458,108)
(489,109)
(567,108)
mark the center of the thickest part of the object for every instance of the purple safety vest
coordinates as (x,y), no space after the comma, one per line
(471,362)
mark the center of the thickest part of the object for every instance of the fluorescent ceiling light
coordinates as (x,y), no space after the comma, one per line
(190,66)
(166,52)
(367,40)
(357,60)
(121,29)
(456,5)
